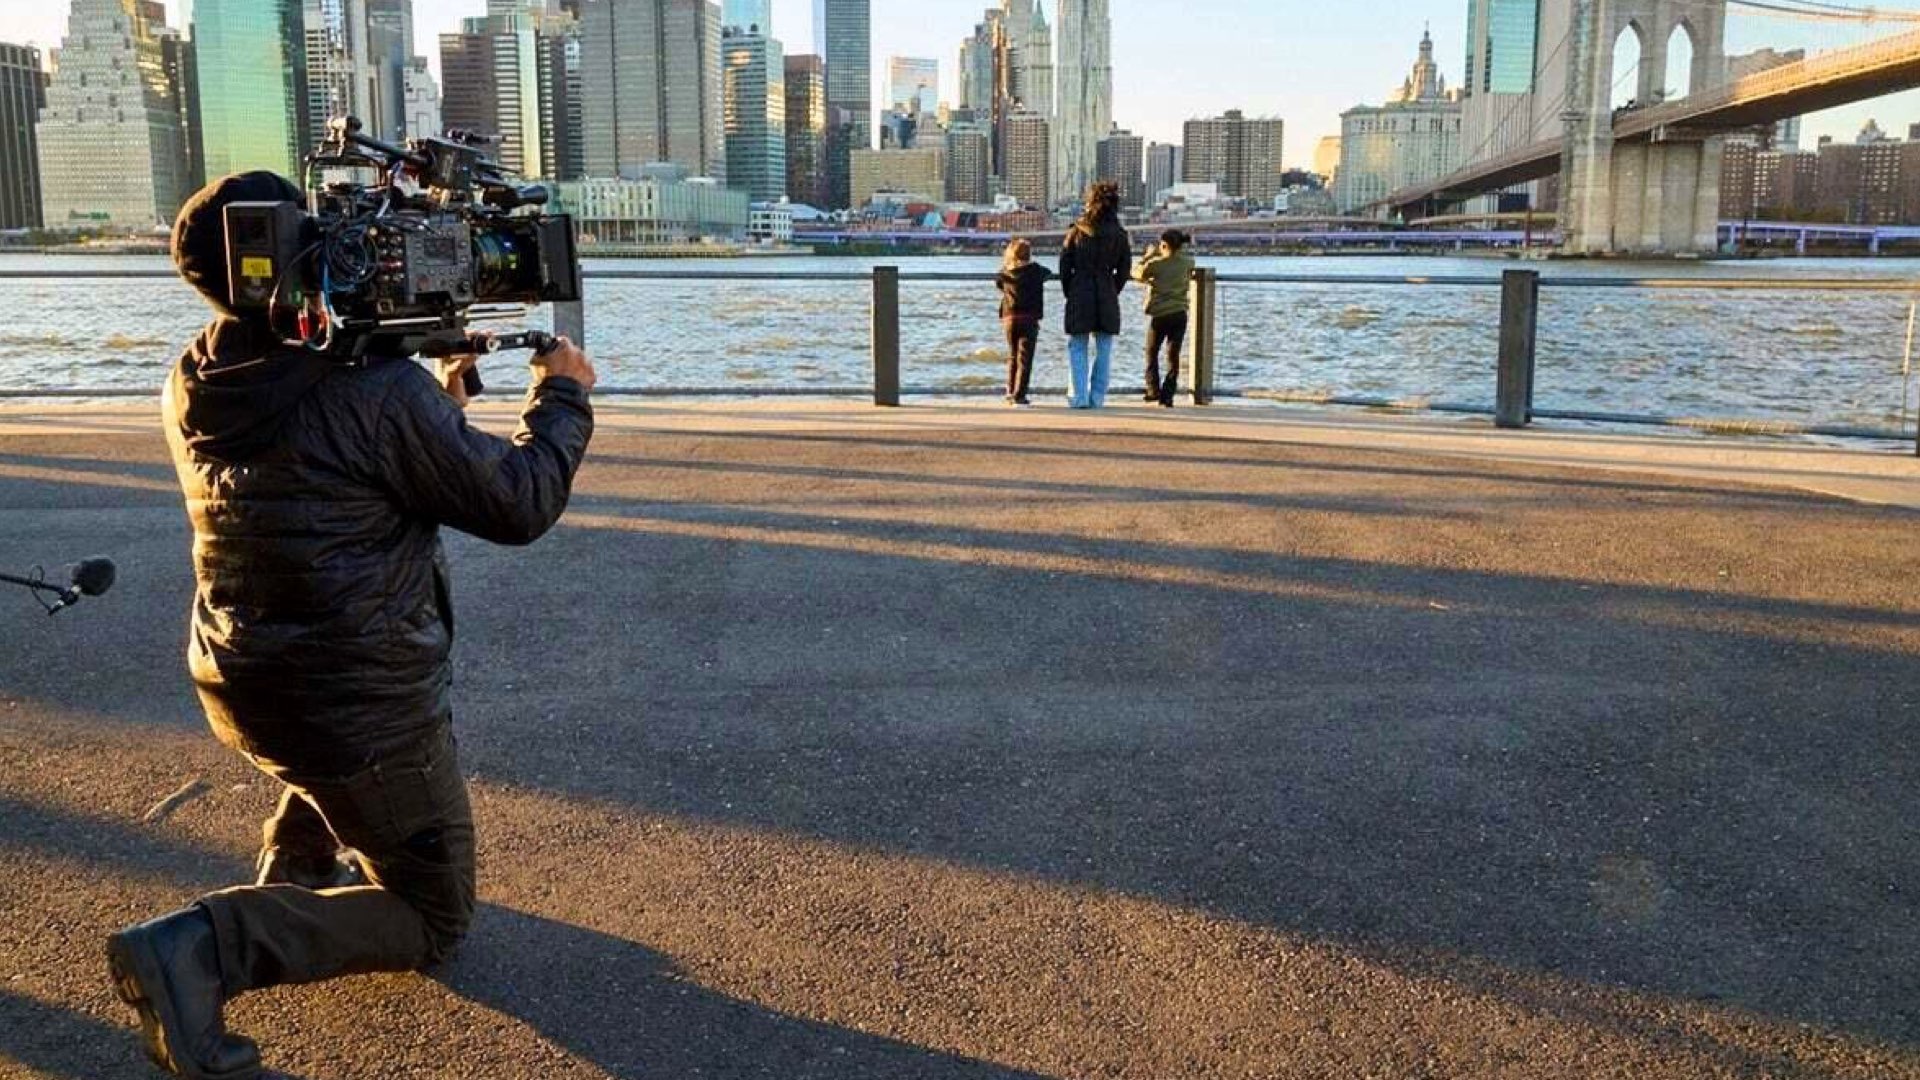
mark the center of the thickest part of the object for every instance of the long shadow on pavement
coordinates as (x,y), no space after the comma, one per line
(604,999)
(624,1008)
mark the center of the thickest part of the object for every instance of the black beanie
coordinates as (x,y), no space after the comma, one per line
(200,232)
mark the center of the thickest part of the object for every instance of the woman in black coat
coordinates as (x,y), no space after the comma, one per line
(1095,265)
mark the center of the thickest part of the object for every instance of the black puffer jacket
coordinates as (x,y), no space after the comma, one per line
(1096,262)
(322,628)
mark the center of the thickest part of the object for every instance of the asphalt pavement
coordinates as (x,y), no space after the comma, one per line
(1108,747)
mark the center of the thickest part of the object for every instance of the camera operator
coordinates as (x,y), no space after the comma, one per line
(321,639)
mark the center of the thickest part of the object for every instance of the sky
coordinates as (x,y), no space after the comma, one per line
(1304,61)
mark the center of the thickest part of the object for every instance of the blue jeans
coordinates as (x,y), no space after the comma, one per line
(1087,387)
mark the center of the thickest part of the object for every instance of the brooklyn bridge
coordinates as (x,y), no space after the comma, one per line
(1636,144)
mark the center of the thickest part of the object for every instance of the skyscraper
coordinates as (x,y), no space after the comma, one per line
(651,76)
(1503,44)
(913,85)
(1242,156)
(251,73)
(1120,159)
(1083,113)
(1512,95)
(1163,169)
(23,92)
(755,92)
(422,101)
(491,72)
(177,58)
(1029,166)
(843,31)
(979,66)
(969,158)
(1026,66)
(563,145)
(111,147)
(389,50)
(806,87)
(748,14)
(339,63)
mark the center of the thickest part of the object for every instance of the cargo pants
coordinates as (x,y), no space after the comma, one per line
(408,816)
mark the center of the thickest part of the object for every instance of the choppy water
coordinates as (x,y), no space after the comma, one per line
(1814,357)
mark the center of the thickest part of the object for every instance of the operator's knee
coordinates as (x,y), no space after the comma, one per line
(446,909)
(445,932)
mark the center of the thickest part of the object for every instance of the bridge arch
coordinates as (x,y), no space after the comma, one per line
(1627,60)
(1698,27)
(1678,78)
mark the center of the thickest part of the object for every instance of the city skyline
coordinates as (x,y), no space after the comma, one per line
(1312,64)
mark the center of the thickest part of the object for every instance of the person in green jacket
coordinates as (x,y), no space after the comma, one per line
(1167,271)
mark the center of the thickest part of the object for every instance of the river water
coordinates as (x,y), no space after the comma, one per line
(1813,357)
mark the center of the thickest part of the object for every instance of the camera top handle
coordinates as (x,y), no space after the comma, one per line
(346,130)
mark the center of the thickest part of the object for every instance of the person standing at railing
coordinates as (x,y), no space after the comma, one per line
(1096,262)
(1167,272)
(1023,305)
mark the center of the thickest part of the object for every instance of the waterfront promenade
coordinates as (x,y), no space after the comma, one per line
(953,741)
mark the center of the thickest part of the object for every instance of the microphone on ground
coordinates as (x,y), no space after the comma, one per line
(89,577)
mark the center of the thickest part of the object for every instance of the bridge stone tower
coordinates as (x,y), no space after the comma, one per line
(1658,197)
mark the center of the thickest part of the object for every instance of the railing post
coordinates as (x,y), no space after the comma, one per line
(886,335)
(1204,311)
(1519,326)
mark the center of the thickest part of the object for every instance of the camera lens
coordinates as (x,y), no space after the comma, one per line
(500,266)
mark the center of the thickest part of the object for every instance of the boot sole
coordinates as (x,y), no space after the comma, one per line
(133,970)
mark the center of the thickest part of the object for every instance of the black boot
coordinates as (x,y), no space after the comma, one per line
(1168,391)
(169,971)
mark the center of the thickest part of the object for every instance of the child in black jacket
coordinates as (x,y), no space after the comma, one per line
(1023,304)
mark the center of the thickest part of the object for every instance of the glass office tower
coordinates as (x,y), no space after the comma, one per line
(843,32)
(1503,44)
(251,76)
(746,14)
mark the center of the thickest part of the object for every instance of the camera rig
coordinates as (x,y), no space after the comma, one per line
(400,264)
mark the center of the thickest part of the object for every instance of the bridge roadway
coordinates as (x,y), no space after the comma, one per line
(1819,82)
(824,742)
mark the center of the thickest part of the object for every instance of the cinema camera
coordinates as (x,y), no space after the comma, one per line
(400,265)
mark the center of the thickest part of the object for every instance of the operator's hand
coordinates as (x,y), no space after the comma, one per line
(451,372)
(565,361)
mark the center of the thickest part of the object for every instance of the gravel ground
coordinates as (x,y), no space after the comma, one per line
(1039,754)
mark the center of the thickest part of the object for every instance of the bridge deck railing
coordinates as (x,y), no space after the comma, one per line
(1514,371)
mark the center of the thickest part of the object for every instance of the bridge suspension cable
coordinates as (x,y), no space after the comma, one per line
(1501,125)
(1817,11)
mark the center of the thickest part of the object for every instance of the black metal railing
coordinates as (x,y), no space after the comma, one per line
(1514,372)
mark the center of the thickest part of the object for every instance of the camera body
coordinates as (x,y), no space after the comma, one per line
(404,259)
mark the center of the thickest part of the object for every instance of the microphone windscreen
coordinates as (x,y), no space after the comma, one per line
(93,576)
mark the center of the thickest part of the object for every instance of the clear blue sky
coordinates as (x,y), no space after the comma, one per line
(1302,60)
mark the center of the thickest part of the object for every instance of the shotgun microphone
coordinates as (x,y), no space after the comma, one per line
(88,577)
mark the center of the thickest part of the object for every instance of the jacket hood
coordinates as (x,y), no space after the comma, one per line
(235,387)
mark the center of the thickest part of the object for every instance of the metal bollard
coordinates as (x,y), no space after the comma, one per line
(886,335)
(1519,332)
(1204,308)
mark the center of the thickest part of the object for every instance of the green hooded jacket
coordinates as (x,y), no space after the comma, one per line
(1168,279)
